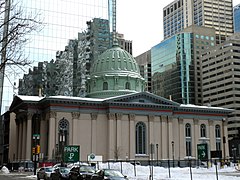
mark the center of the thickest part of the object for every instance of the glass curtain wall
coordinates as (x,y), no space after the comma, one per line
(63,20)
(173,69)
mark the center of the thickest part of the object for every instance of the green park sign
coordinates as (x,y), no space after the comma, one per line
(71,153)
(202,151)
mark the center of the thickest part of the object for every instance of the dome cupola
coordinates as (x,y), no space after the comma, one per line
(114,73)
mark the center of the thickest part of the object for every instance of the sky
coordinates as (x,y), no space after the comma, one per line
(160,173)
(142,22)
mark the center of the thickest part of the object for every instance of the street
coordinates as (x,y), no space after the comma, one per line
(13,176)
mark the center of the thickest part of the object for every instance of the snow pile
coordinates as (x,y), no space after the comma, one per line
(4,170)
(159,173)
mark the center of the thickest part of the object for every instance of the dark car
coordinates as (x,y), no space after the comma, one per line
(81,172)
(110,174)
(44,173)
(60,173)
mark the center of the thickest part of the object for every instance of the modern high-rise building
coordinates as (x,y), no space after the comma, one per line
(214,14)
(176,64)
(236,18)
(67,75)
(144,62)
(62,21)
(221,80)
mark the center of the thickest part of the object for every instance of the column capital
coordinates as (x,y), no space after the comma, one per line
(94,116)
(75,115)
(30,115)
(132,117)
(195,121)
(151,118)
(180,120)
(210,122)
(119,116)
(111,116)
(53,114)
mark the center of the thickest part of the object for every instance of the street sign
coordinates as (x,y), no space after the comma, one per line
(71,153)
(202,151)
(92,156)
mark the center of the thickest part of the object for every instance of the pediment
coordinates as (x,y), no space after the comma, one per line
(143,98)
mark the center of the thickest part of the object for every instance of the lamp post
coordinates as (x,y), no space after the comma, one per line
(157,153)
(173,152)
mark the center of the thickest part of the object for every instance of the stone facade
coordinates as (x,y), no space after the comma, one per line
(109,127)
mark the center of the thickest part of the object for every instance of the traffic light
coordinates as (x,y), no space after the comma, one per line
(38,149)
(33,150)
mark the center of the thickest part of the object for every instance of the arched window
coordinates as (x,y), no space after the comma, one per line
(218,137)
(140,138)
(203,132)
(188,140)
(105,86)
(127,85)
(188,130)
(63,129)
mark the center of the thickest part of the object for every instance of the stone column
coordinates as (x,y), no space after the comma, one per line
(29,136)
(111,144)
(151,129)
(52,134)
(75,118)
(20,139)
(24,135)
(164,147)
(170,137)
(43,134)
(195,137)
(212,137)
(13,138)
(119,135)
(225,139)
(132,137)
(94,133)
(181,140)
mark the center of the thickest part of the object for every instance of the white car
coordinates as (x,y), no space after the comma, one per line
(44,173)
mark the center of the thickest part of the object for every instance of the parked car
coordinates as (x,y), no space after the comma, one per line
(81,172)
(60,173)
(44,173)
(110,174)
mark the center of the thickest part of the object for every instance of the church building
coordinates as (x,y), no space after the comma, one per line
(117,119)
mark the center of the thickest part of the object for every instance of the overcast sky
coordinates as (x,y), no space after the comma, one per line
(141,21)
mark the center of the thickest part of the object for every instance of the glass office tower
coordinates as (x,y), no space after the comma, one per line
(176,64)
(63,19)
(172,69)
(236,18)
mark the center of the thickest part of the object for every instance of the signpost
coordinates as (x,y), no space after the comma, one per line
(71,153)
(202,151)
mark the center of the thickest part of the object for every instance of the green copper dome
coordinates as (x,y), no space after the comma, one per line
(114,73)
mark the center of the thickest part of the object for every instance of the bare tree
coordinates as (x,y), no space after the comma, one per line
(117,152)
(15,27)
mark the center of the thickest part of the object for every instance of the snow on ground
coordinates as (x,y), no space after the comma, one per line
(160,173)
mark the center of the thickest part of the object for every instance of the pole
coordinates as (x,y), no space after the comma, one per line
(157,153)
(173,152)
(35,155)
(4,49)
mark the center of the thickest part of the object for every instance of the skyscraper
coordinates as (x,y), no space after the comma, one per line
(176,64)
(183,13)
(236,16)
(221,80)
(62,21)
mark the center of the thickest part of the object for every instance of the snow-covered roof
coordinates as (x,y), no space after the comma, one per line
(204,107)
